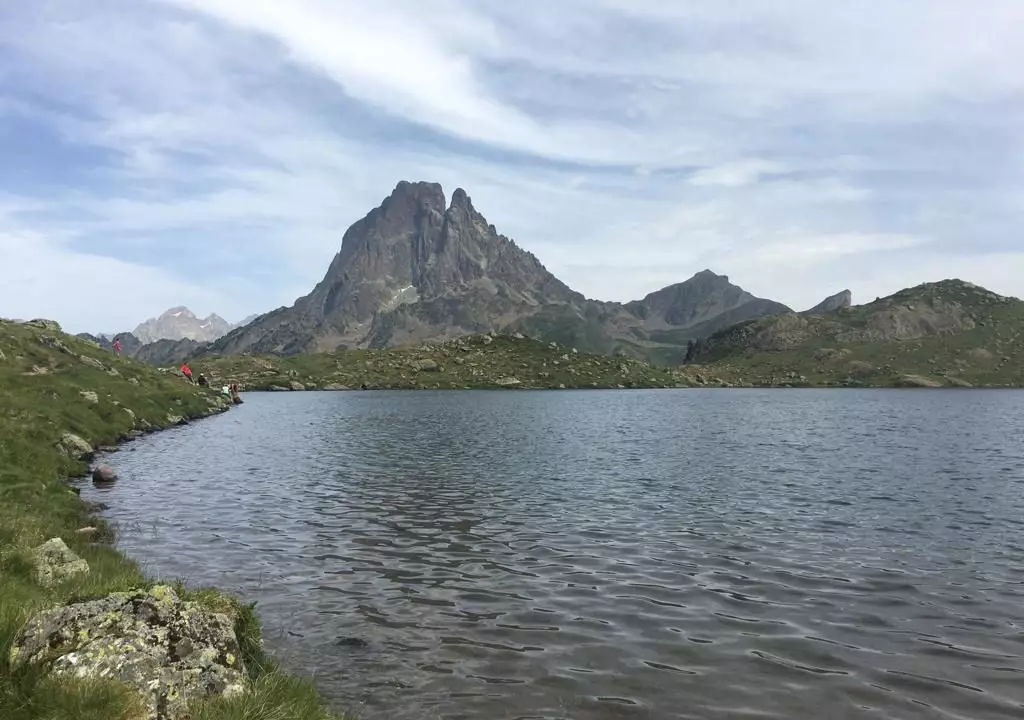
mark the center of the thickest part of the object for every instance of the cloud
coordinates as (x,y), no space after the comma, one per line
(736,174)
(217,150)
(48,280)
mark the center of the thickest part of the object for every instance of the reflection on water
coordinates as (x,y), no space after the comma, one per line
(610,554)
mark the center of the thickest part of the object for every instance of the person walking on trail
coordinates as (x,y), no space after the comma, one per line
(117,346)
(187,372)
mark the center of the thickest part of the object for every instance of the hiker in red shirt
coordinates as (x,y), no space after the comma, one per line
(187,372)
(117,346)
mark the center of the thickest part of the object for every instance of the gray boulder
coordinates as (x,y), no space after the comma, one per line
(296,385)
(90,397)
(426,365)
(170,651)
(508,381)
(55,563)
(75,446)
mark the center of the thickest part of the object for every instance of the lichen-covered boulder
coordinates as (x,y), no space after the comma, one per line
(75,446)
(171,651)
(55,563)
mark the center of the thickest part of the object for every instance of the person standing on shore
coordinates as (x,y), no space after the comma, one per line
(187,372)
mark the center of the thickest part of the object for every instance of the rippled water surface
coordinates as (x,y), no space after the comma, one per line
(667,554)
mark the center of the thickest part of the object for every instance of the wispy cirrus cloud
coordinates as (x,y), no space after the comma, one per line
(216,150)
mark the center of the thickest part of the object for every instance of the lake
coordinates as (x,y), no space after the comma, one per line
(609,554)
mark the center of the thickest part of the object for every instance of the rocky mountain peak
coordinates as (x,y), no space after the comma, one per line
(178,312)
(690,303)
(417,269)
(180,323)
(840,300)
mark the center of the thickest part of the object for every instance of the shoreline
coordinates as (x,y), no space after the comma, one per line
(63,401)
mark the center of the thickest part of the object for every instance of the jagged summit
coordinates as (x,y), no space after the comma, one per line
(420,267)
(840,300)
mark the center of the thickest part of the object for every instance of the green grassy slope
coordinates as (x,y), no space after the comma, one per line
(471,362)
(52,384)
(949,333)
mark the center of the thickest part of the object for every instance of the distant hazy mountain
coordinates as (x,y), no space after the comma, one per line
(180,323)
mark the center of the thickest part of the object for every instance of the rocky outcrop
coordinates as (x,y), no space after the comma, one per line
(55,563)
(840,300)
(169,651)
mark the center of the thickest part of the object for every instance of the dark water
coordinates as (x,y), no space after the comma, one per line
(691,554)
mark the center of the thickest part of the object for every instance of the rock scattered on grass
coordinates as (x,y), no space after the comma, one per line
(55,563)
(170,651)
(75,446)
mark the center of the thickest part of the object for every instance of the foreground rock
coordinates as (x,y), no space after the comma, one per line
(75,446)
(171,652)
(55,563)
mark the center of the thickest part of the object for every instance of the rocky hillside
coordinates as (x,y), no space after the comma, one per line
(419,269)
(180,323)
(949,333)
(477,361)
(699,301)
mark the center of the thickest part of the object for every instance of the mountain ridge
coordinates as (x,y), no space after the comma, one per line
(945,333)
(180,323)
(419,268)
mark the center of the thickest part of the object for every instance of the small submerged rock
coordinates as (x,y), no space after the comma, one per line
(104,475)
(352,642)
(170,651)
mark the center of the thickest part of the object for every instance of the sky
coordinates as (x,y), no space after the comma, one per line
(211,153)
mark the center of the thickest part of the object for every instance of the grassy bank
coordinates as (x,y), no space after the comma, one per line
(52,384)
(474,362)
